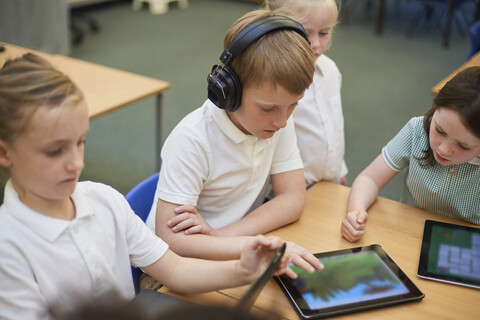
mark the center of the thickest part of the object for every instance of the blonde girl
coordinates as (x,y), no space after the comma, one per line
(318,116)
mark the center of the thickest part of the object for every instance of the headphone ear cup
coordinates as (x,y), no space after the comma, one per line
(224,88)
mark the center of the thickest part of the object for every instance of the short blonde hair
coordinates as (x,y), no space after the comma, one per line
(301,9)
(280,57)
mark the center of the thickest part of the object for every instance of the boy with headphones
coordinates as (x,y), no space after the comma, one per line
(218,161)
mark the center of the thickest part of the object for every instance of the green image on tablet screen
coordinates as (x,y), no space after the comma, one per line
(454,253)
(347,279)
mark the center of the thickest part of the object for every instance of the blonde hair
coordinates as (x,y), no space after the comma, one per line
(26,83)
(280,57)
(301,9)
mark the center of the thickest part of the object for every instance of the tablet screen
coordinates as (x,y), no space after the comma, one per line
(352,280)
(450,253)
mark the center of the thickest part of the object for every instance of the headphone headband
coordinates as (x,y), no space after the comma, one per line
(257,29)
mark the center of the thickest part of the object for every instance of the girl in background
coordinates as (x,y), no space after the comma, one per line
(318,115)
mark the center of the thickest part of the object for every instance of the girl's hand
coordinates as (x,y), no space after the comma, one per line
(257,252)
(190,221)
(353,225)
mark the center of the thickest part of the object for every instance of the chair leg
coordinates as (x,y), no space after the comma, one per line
(137,5)
(183,4)
(158,6)
(414,22)
(448,26)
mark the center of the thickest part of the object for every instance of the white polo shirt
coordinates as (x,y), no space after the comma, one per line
(209,163)
(52,262)
(319,125)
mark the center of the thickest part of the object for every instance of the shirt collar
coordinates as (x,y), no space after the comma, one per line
(475,161)
(45,226)
(227,126)
(318,67)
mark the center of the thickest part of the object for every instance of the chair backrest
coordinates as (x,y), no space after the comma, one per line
(474,31)
(140,199)
(141,196)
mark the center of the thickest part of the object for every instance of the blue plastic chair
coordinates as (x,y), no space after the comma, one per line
(140,199)
(474,32)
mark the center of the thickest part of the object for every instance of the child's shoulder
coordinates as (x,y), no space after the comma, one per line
(97,191)
(327,68)
(325,61)
(416,132)
(92,186)
(416,123)
(194,124)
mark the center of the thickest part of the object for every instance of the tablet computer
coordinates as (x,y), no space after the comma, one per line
(450,253)
(353,280)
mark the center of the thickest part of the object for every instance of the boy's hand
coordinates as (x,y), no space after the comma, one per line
(190,221)
(353,225)
(302,258)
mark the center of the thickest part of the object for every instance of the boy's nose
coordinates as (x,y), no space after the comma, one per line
(281,122)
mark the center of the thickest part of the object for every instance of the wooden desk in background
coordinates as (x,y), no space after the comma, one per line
(105,89)
(398,228)
(474,61)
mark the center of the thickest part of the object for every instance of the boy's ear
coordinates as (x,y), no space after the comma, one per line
(4,154)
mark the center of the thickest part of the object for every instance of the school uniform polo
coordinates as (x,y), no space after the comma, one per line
(210,163)
(319,125)
(51,262)
(452,190)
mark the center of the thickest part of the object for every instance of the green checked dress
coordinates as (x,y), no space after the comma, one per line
(453,191)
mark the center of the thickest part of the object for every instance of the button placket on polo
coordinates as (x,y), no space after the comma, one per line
(257,160)
(88,252)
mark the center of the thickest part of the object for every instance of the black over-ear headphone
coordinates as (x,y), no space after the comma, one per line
(224,88)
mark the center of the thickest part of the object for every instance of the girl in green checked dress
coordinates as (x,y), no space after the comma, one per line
(441,154)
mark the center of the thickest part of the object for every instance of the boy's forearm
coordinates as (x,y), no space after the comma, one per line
(281,210)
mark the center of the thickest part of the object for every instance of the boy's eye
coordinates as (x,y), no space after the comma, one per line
(83,141)
(53,153)
(463,147)
(439,131)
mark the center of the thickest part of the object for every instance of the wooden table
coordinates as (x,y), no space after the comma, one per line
(105,89)
(397,227)
(474,61)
